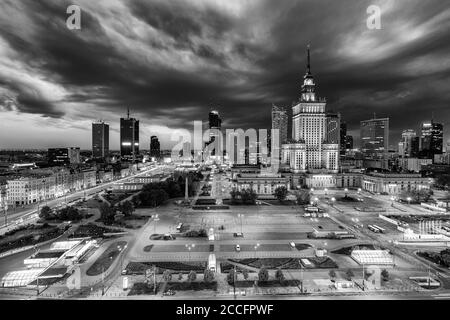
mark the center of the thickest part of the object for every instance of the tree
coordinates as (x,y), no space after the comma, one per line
(332,274)
(263,274)
(135,201)
(106,212)
(235,194)
(385,274)
(126,208)
(208,275)
(46,213)
(349,274)
(232,276)
(281,193)
(279,275)
(167,275)
(303,197)
(192,276)
(248,196)
(245,274)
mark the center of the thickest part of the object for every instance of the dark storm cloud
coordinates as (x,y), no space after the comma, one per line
(162,57)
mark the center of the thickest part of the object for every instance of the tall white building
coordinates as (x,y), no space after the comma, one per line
(310,151)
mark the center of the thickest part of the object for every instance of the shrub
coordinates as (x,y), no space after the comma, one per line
(208,275)
(192,276)
(263,274)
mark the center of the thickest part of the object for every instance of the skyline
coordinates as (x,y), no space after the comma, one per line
(213,55)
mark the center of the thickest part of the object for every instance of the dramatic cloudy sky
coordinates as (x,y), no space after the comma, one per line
(171,61)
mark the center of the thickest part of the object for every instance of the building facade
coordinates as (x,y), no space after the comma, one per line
(280,123)
(393,183)
(375,137)
(155,148)
(314,148)
(100,139)
(129,137)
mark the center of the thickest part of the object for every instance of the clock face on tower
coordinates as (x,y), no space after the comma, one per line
(308,82)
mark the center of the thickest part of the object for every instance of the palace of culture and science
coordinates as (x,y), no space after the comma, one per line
(314,148)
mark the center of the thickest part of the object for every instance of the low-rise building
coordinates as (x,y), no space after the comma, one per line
(413,164)
(263,185)
(394,183)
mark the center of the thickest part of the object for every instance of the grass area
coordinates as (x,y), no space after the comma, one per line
(270,263)
(148,248)
(176,267)
(225,267)
(106,259)
(131,222)
(440,258)
(321,263)
(141,288)
(92,230)
(266,284)
(28,235)
(114,198)
(193,286)
(348,250)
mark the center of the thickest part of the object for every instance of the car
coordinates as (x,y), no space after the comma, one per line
(124,272)
(238,248)
(292,244)
(238,234)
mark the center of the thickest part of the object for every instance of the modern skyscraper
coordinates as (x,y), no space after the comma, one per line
(100,139)
(343,135)
(280,122)
(407,144)
(155,149)
(432,139)
(333,122)
(215,122)
(215,125)
(348,142)
(129,137)
(311,151)
(375,137)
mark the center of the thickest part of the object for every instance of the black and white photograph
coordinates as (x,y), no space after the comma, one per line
(224,151)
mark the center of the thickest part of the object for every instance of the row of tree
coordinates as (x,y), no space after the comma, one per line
(245,196)
(64,214)
(208,276)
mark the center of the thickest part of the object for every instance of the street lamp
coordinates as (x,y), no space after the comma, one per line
(256,248)
(409,200)
(359,190)
(346,192)
(189,247)
(326,191)
(240,215)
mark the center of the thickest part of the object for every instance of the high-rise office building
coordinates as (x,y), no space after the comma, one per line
(215,122)
(333,122)
(407,145)
(343,135)
(280,122)
(155,148)
(129,137)
(310,150)
(431,139)
(100,139)
(348,142)
(375,137)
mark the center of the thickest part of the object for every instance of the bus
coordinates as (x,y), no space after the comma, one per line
(179,226)
(379,228)
(373,228)
(212,262)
